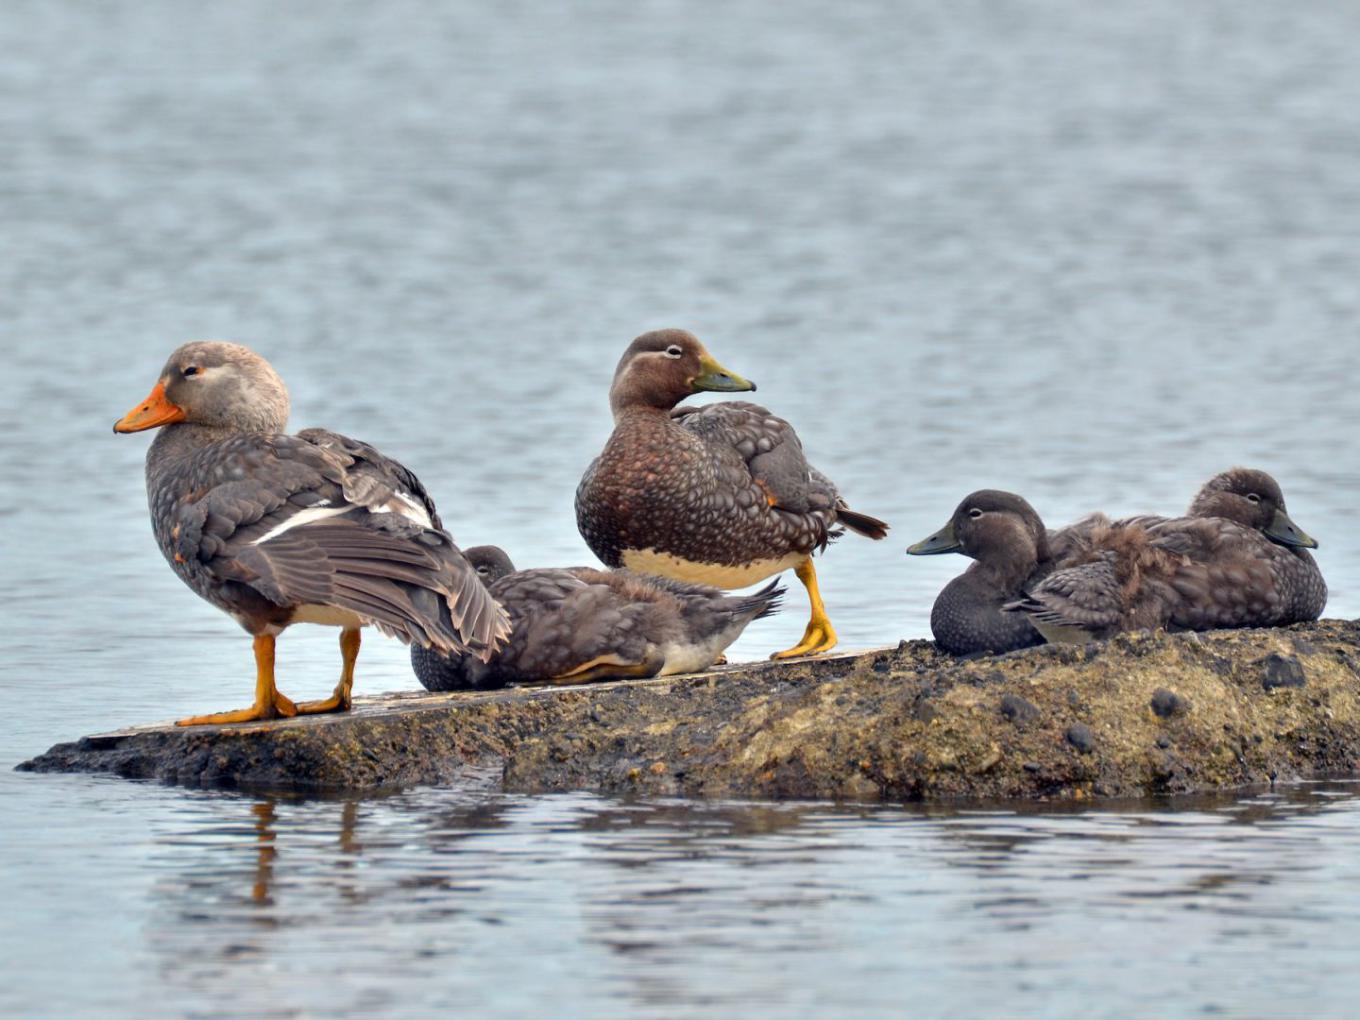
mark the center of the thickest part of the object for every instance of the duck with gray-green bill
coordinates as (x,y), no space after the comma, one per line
(1011,549)
(1236,559)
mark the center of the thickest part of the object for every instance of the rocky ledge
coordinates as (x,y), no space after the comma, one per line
(1142,714)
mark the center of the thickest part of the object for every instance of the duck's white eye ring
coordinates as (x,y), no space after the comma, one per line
(975,513)
(674,351)
(1253,498)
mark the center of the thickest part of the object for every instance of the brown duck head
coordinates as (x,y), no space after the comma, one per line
(1252,499)
(993,527)
(490,561)
(213,383)
(662,368)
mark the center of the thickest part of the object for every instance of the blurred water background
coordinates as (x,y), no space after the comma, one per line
(1091,254)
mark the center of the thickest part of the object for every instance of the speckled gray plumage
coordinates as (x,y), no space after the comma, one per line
(220,484)
(565,618)
(967,616)
(210,506)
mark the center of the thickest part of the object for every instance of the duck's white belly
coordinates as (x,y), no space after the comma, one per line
(327,616)
(700,654)
(718,575)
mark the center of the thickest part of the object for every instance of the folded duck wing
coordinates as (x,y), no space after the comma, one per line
(1075,603)
(373,477)
(777,465)
(308,524)
(1225,575)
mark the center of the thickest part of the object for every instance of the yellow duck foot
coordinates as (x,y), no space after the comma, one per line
(820,636)
(340,700)
(279,707)
(269,703)
(604,667)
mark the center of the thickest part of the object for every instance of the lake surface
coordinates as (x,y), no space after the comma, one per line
(1091,255)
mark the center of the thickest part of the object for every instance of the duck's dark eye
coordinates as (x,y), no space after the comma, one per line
(975,513)
(674,351)
(482,571)
(191,370)
(1253,498)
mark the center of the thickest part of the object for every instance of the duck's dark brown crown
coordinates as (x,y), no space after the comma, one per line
(656,370)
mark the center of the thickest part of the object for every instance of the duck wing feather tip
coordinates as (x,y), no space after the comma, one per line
(761,604)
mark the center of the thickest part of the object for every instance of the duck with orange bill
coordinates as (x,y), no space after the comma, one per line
(276,529)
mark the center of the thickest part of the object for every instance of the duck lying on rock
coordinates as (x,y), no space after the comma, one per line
(719,495)
(278,529)
(1236,560)
(581,624)
(1011,549)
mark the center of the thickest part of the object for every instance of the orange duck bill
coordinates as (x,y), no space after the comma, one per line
(154,411)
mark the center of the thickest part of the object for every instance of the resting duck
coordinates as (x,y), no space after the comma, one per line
(572,626)
(719,495)
(1011,548)
(276,529)
(1237,560)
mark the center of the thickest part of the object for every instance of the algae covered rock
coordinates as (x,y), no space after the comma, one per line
(1146,713)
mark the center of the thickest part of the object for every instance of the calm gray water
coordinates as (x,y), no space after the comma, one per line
(1092,255)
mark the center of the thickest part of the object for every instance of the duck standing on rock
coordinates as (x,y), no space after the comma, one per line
(719,495)
(277,529)
(1012,549)
(1236,560)
(579,624)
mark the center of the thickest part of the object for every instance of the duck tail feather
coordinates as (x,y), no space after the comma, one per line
(862,524)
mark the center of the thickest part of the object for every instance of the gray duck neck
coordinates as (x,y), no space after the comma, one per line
(174,443)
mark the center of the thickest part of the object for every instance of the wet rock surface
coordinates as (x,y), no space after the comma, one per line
(1142,714)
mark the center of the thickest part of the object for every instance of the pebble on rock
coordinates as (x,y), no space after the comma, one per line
(1080,736)
(1017,709)
(1167,703)
(1282,671)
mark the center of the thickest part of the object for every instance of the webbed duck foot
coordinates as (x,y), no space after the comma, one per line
(819,636)
(605,667)
(341,699)
(279,707)
(269,703)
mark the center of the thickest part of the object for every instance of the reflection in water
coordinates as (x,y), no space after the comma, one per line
(264,867)
(446,894)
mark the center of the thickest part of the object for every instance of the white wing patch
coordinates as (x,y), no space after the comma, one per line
(401,504)
(303,517)
(406,506)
